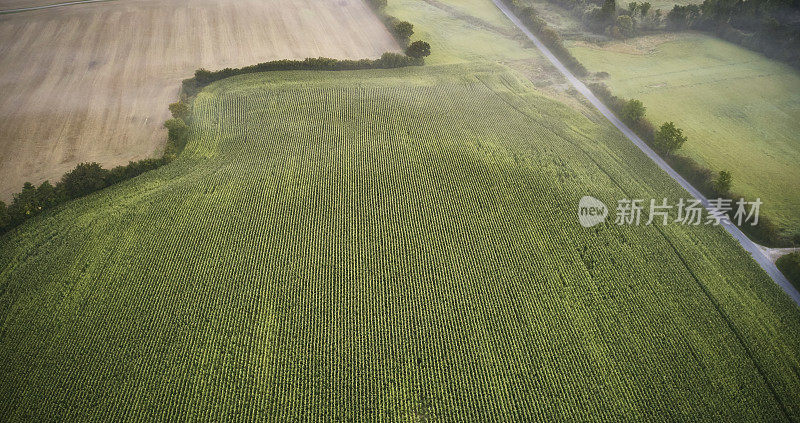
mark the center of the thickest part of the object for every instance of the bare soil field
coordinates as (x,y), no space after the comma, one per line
(21,4)
(92,82)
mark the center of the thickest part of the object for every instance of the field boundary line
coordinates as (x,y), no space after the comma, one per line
(48,6)
(751,247)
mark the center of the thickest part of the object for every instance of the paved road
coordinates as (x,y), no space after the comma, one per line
(746,243)
(25,9)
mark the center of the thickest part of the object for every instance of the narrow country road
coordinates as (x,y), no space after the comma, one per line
(746,243)
(25,9)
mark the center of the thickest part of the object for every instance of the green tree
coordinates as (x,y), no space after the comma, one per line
(177,130)
(633,111)
(644,8)
(84,179)
(24,203)
(419,49)
(46,195)
(404,30)
(608,10)
(669,138)
(624,26)
(633,7)
(723,182)
(5,218)
(790,266)
(179,109)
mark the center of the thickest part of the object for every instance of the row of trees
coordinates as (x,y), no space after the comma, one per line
(771,27)
(87,178)
(547,35)
(607,17)
(203,77)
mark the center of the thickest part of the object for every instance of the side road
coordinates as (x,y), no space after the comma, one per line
(751,247)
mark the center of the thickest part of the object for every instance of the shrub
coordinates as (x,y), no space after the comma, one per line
(789,265)
(403,30)
(419,49)
(84,179)
(5,218)
(633,111)
(723,182)
(624,26)
(669,138)
(179,110)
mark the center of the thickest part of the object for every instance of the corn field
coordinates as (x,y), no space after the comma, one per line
(400,245)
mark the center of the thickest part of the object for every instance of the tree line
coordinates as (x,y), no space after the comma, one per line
(771,27)
(87,178)
(548,36)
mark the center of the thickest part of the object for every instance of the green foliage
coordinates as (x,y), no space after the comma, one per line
(669,138)
(548,36)
(179,109)
(5,218)
(789,265)
(633,7)
(84,179)
(624,27)
(681,17)
(633,111)
(608,11)
(203,77)
(404,30)
(47,196)
(419,49)
(695,80)
(644,9)
(723,182)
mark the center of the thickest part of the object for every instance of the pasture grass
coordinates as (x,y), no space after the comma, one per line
(740,110)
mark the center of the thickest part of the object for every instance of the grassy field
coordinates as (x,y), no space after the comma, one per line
(92,82)
(396,244)
(740,110)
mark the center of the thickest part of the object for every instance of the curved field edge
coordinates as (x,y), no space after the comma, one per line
(399,243)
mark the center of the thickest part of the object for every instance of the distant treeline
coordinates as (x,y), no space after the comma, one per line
(203,77)
(548,36)
(711,184)
(402,31)
(771,27)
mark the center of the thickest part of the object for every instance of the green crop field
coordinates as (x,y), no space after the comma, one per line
(740,110)
(387,244)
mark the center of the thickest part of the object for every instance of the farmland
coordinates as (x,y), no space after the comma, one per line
(91,82)
(387,243)
(740,110)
